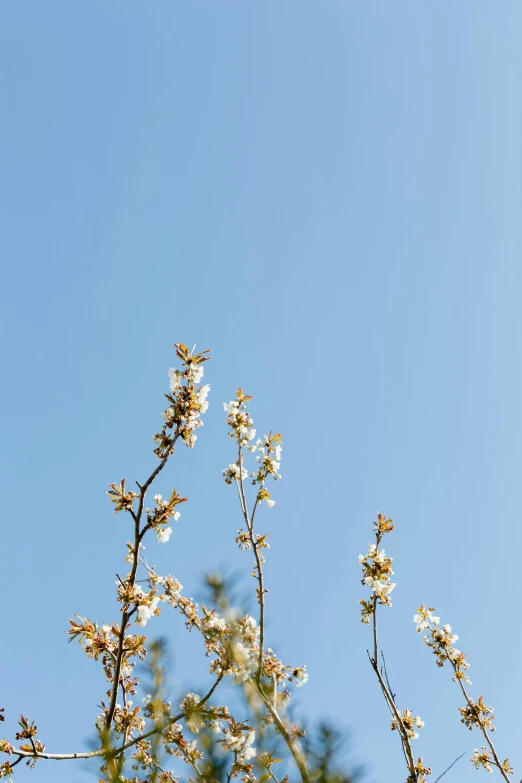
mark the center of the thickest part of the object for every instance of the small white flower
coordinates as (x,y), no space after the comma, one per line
(164,534)
(421,623)
(250,737)
(240,654)
(215,623)
(197,373)
(233,742)
(190,701)
(237,473)
(248,753)
(174,379)
(203,392)
(145,612)
(453,638)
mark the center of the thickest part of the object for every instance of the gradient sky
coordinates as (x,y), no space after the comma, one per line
(328,195)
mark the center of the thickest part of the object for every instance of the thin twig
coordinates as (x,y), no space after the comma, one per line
(126,613)
(481,726)
(386,675)
(386,690)
(450,766)
(267,769)
(472,707)
(294,750)
(249,521)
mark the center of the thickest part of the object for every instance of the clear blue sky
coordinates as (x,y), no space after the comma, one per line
(328,195)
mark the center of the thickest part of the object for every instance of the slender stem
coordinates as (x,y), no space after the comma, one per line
(126,613)
(375,644)
(471,705)
(406,747)
(448,768)
(267,769)
(480,725)
(292,746)
(249,521)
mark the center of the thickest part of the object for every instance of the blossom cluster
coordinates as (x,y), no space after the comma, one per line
(145,603)
(484,758)
(101,643)
(376,574)
(376,571)
(269,458)
(441,641)
(408,722)
(32,749)
(233,642)
(477,714)
(132,733)
(164,510)
(376,568)
(239,419)
(421,772)
(126,718)
(187,401)
(239,740)
(175,744)
(267,449)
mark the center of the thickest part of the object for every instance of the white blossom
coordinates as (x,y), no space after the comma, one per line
(242,744)
(174,377)
(164,533)
(145,612)
(215,623)
(197,372)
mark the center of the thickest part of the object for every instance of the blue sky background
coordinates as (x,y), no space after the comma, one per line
(328,195)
